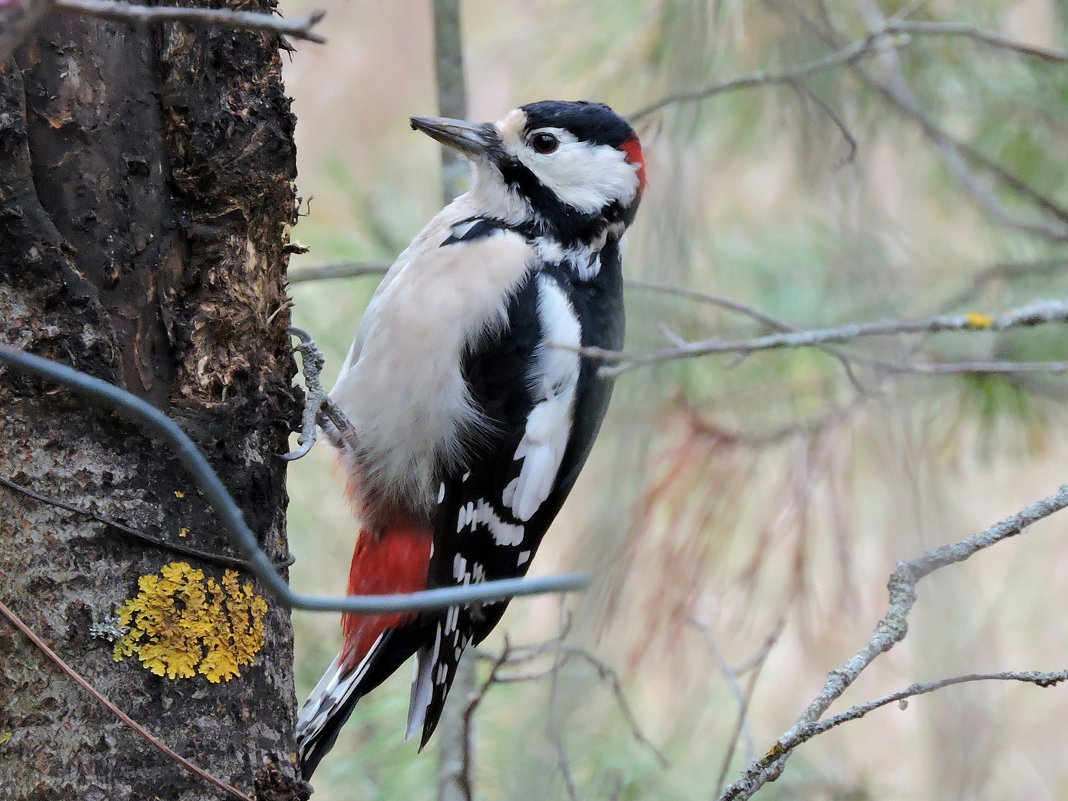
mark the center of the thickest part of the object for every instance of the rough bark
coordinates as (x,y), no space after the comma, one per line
(145,194)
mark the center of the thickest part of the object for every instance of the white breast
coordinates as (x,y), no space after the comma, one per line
(402,385)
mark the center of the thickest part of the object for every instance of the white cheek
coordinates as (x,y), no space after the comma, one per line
(585,177)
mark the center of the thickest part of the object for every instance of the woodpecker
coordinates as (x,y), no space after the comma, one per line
(473,413)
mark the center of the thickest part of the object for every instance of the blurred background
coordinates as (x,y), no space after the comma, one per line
(740,516)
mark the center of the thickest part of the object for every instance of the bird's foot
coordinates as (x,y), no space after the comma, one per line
(319,410)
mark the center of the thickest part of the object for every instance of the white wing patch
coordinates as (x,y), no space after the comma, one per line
(480,513)
(554,380)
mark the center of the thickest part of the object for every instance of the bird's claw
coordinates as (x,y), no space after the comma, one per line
(318,408)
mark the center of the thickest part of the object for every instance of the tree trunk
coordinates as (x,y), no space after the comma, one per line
(145,194)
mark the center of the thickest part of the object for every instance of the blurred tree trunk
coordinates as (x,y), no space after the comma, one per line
(145,197)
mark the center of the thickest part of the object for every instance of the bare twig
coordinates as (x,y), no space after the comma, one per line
(1038,678)
(1004,271)
(463,778)
(230,515)
(160,542)
(889,34)
(562,654)
(341,269)
(743,712)
(296,27)
(889,631)
(705,297)
(955,368)
(839,123)
(611,678)
(136,727)
(754,665)
(1038,313)
(847,55)
(992,38)
(955,155)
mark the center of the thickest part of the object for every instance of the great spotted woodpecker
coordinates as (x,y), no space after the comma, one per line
(471,425)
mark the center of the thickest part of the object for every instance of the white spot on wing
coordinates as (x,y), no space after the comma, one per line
(459,569)
(506,534)
(524,557)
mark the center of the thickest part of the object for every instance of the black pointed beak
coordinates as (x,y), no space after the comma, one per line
(467,137)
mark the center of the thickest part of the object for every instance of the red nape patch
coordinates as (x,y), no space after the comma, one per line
(395,561)
(633,148)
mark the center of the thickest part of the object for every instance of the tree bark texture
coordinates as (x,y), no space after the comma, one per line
(145,197)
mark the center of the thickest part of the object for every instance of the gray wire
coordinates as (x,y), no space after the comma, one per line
(151,418)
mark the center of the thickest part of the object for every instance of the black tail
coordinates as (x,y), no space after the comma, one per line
(320,720)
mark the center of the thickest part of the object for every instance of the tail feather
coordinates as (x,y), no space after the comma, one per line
(394,561)
(328,707)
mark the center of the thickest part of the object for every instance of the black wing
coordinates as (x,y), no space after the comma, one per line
(482,530)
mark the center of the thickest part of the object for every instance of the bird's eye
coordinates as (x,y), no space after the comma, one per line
(544,142)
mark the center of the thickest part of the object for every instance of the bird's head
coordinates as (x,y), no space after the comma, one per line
(566,167)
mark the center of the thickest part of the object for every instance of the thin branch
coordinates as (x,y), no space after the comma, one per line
(159,542)
(146,735)
(608,675)
(956,368)
(232,518)
(730,676)
(464,777)
(889,34)
(341,269)
(839,123)
(1004,271)
(295,27)
(705,297)
(1039,679)
(992,38)
(1037,313)
(743,712)
(956,154)
(889,631)
(847,55)
(754,665)
(562,653)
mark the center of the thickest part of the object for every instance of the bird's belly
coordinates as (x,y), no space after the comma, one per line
(404,389)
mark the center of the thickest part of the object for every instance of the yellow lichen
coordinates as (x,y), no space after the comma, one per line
(5,737)
(180,625)
(982,321)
